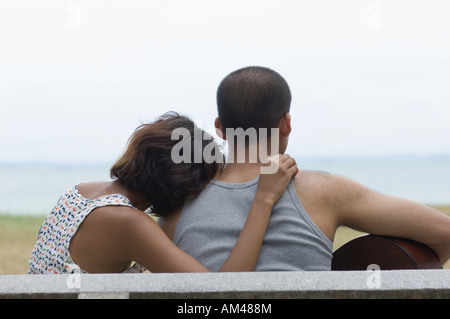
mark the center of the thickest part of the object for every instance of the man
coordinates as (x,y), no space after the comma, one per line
(304,221)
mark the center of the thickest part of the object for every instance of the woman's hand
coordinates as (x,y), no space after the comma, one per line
(275,177)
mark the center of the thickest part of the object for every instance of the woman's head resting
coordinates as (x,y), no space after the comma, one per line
(147,165)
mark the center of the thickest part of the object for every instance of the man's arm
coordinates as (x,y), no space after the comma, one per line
(363,209)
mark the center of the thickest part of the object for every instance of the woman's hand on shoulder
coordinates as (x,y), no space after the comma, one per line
(275,177)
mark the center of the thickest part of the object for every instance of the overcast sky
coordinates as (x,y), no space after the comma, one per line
(367,77)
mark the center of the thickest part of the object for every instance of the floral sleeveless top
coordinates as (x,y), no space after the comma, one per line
(50,254)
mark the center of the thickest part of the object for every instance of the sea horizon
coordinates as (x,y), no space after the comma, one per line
(338,157)
(33,188)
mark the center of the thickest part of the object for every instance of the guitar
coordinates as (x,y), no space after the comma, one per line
(388,253)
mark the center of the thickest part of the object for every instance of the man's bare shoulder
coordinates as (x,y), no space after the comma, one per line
(328,186)
(308,178)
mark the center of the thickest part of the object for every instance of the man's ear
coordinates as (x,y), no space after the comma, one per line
(285,125)
(219,131)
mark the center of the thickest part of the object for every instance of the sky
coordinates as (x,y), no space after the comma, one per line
(368,78)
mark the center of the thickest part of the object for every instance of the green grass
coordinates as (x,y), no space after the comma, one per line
(18,235)
(17,238)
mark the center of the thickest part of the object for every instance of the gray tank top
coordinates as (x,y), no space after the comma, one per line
(210,224)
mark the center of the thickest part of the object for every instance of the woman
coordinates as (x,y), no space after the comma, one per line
(101,227)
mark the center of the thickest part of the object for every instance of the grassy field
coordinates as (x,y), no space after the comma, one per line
(17,238)
(18,234)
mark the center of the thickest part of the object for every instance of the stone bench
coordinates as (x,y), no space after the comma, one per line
(333,284)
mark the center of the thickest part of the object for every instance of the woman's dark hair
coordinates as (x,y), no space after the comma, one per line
(147,165)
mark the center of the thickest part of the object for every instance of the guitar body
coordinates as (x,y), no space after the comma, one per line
(388,253)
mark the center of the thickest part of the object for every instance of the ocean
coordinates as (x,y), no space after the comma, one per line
(33,189)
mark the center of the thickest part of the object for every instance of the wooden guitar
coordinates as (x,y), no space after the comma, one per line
(388,253)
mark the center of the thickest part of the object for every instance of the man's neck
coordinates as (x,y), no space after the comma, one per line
(239,172)
(242,166)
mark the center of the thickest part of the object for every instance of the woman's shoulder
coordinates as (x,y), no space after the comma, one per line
(91,190)
(121,216)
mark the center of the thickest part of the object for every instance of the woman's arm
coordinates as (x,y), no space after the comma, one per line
(148,245)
